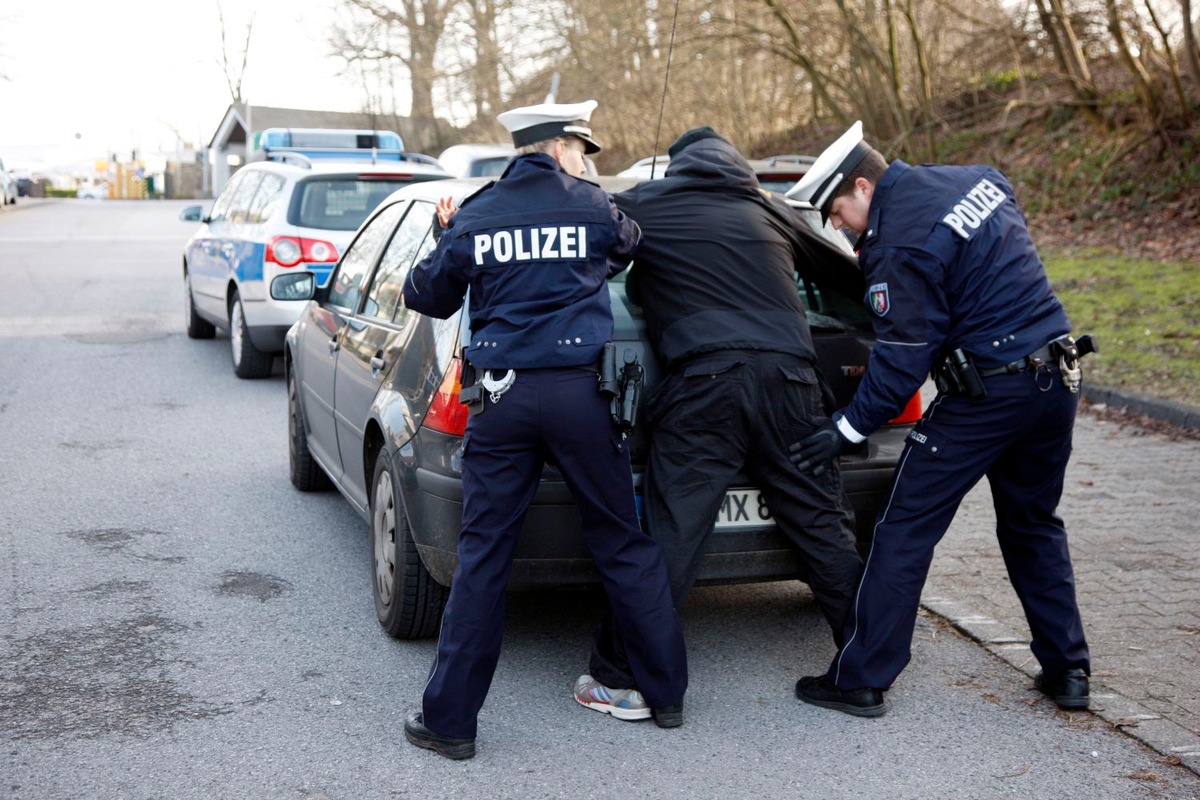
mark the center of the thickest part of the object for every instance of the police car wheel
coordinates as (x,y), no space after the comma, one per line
(248,361)
(197,328)
(408,601)
(306,473)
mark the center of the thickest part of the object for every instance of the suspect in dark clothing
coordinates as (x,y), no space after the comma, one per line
(957,288)
(716,278)
(540,315)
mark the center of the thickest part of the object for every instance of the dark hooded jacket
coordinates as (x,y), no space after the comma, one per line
(718,261)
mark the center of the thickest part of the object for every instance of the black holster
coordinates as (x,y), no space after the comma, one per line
(470,392)
(622,388)
(955,374)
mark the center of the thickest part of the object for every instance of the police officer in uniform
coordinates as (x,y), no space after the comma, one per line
(716,278)
(957,288)
(535,249)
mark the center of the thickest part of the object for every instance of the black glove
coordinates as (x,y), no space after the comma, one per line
(817,451)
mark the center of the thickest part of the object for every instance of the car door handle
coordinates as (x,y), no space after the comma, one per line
(377,364)
(333,345)
(227,250)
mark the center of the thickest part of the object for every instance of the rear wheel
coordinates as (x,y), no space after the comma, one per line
(248,361)
(306,473)
(197,327)
(408,601)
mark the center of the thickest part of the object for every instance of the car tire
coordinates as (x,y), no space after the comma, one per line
(408,601)
(306,473)
(248,361)
(197,327)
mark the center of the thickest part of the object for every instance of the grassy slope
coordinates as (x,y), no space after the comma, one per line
(1117,219)
(1144,314)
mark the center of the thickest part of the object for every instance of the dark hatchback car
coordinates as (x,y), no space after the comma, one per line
(373,404)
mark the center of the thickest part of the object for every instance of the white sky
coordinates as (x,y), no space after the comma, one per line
(131,73)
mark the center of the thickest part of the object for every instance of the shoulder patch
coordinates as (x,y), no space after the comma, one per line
(877,296)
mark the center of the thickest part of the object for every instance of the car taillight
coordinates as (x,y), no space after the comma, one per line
(446,414)
(911,412)
(288,251)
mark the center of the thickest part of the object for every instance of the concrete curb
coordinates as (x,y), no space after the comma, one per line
(1165,410)
(1123,714)
(1127,716)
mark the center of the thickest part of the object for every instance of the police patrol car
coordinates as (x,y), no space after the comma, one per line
(294,207)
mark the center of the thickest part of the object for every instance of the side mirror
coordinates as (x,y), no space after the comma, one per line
(294,286)
(192,213)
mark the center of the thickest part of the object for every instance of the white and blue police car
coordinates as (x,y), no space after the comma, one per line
(294,207)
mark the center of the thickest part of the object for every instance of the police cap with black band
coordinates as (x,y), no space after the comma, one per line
(532,124)
(827,173)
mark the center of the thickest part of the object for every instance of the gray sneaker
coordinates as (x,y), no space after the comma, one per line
(626,704)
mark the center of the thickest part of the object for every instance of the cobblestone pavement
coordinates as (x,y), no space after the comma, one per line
(1132,510)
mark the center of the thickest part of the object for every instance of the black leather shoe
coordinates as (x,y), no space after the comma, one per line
(820,691)
(416,733)
(1068,691)
(668,717)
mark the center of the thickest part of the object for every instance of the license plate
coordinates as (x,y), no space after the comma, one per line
(743,508)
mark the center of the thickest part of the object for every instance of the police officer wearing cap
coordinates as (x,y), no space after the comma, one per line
(535,249)
(955,287)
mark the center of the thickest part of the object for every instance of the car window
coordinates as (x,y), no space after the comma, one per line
(347,281)
(490,167)
(239,204)
(383,298)
(268,191)
(339,204)
(220,209)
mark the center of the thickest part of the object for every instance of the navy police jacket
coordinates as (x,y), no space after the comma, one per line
(948,263)
(535,249)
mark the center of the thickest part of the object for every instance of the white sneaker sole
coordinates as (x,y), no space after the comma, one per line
(627,714)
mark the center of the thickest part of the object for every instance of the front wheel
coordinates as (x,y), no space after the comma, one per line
(248,361)
(408,601)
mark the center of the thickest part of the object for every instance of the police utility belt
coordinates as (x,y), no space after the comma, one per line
(622,386)
(957,374)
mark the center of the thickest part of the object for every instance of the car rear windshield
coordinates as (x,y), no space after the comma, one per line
(340,204)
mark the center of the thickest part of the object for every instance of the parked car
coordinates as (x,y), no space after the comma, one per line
(775,173)
(97,191)
(476,160)
(643,167)
(291,211)
(373,409)
(8,186)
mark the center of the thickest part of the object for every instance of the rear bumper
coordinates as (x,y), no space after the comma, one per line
(551,551)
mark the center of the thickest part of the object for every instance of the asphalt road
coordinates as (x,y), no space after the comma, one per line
(177,622)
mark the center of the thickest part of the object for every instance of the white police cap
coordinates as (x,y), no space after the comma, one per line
(829,170)
(551,120)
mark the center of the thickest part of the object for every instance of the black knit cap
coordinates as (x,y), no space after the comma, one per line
(693,136)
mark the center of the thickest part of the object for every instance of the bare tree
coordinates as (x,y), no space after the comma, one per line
(378,37)
(1192,51)
(234,72)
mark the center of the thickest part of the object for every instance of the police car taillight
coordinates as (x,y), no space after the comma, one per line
(911,412)
(288,251)
(446,414)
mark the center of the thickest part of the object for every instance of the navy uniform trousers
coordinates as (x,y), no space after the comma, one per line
(1019,437)
(716,415)
(555,415)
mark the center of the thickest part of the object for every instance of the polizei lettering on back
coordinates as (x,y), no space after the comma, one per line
(974,208)
(531,244)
